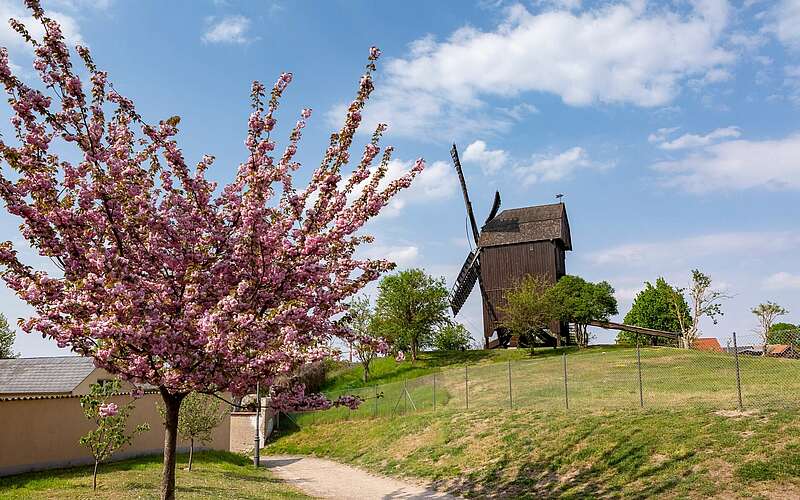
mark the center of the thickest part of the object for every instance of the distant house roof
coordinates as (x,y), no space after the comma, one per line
(43,375)
(523,225)
(779,349)
(707,344)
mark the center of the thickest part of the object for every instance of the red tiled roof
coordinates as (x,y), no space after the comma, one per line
(707,344)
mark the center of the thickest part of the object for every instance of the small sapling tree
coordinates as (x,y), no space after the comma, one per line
(111,420)
(199,415)
(529,309)
(360,321)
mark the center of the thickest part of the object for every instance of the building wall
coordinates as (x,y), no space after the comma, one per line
(243,430)
(39,434)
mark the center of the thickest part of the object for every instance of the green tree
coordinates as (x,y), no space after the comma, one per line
(578,301)
(410,306)
(199,415)
(360,320)
(784,333)
(6,339)
(658,306)
(767,313)
(110,434)
(452,336)
(529,310)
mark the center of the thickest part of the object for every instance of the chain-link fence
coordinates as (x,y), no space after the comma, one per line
(737,372)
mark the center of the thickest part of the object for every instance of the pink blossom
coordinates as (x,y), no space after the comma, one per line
(108,410)
(400,357)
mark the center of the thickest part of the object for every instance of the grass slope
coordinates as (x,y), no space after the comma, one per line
(213,475)
(528,453)
(601,377)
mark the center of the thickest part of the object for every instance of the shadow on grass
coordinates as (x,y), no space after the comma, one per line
(625,469)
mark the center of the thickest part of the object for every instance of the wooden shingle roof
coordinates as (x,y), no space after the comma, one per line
(523,225)
(56,375)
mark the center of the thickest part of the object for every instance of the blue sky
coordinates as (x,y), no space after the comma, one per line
(671,127)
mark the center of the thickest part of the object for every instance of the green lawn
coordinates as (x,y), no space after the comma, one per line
(214,475)
(598,378)
(530,453)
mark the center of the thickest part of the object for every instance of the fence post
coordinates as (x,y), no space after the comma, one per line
(434,391)
(738,376)
(466,385)
(375,408)
(566,389)
(405,397)
(639,364)
(510,393)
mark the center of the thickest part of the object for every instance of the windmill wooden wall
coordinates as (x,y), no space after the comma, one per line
(518,243)
(503,267)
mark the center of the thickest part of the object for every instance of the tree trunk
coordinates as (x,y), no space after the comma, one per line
(172,404)
(366,372)
(413,351)
(94,476)
(191,452)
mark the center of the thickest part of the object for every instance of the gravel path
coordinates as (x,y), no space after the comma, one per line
(326,479)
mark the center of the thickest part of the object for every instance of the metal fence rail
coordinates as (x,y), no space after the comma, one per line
(735,373)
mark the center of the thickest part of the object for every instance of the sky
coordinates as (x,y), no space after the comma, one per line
(671,128)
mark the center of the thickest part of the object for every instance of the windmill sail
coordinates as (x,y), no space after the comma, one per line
(457,164)
(495,207)
(465,282)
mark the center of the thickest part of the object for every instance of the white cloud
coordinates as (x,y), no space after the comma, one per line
(11,39)
(436,182)
(786,22)
(661,134)
(620,53)
(229,29)
(490,160)
(403,256)
(782,281)
(693,140)
(554,167)
(687,250)
(737,164)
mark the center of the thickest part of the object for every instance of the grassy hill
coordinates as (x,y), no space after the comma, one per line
(687,441)
(530,453)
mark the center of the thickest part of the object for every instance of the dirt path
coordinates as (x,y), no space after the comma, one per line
(326,479)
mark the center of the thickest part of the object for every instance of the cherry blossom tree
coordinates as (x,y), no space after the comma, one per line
(165,278)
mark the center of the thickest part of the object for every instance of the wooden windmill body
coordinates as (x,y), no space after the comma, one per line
(512,244)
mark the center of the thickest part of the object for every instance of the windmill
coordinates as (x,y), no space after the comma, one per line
(509,246)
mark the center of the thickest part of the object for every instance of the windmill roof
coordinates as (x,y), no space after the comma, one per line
(527,224)
(43,375)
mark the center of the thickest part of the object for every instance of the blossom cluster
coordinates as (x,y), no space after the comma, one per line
(168,279)
(108,410)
